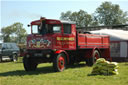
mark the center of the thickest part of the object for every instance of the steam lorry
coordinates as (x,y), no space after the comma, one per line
(59,42)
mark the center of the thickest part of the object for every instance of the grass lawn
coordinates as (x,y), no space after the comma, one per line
(13,74)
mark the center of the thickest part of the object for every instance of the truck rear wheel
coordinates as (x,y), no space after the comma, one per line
(29,64)
(92,60)
(59,62)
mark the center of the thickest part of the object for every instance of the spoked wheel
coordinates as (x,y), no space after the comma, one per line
(59,62)
(92,60)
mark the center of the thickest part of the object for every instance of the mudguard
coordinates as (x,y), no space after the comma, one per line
(62,51)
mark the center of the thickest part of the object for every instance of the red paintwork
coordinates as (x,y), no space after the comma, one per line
(66,42)
(62,51)
(96,56)
(92,41)
(48,21)
(58,39)
(39,42)
(61,63)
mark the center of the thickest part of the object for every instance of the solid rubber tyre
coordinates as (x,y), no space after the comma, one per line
(92,60)
(29,64)
(59,62)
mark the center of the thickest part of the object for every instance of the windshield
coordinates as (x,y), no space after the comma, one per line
(35,29)
(46,29)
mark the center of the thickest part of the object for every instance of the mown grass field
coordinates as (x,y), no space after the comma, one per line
(13,74)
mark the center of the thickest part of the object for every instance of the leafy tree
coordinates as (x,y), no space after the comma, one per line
(82,18)
(110,14)
(94,21)
(14,33)
(66,16)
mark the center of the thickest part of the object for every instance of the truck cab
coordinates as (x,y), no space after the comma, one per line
(52,34)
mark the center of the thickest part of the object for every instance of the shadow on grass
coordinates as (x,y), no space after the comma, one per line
(6,61)
(42,70)
(77,66)
(100,74)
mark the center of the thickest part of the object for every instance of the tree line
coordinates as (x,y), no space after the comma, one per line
(14,33)
(106,14)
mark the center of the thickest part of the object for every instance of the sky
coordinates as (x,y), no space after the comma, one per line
(25,11)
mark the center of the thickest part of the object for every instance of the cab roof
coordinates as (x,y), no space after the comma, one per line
(37,22)
(67,22)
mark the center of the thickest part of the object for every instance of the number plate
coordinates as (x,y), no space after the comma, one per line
(38,54)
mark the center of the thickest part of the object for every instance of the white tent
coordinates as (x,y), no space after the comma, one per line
(118,39)
(115,35)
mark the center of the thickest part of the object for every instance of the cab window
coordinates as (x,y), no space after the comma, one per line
(35,29)
(46,29)
(56,29)
(67,28)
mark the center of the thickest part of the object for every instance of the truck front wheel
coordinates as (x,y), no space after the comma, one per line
(29,64)
(59,62)
(92,60)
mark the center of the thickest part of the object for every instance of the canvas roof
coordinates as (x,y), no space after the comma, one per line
(115,35)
